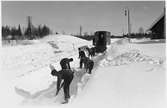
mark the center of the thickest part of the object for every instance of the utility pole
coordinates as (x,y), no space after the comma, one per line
(127,13)
(123,31)
(80,30)
(129,29)
(29,21)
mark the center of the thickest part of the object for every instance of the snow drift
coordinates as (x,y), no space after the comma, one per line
(122,53)
(130,75)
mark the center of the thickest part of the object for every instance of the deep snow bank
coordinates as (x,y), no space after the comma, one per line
(25,66)
(39,78)
(139,83)
(21,59)
(122,52)
(66,42)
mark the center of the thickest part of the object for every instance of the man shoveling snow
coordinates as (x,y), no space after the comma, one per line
(65,74)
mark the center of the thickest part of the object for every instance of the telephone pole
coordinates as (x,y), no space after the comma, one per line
(80,30)
(129,29)
(127,13)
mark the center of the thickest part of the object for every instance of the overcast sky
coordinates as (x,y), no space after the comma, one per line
(67,16)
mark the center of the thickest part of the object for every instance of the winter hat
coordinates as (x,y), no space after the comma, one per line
(71,59)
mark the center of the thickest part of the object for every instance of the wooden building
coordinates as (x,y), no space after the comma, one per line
(157,29)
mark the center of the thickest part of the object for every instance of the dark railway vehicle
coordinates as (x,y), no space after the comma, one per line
(101,40)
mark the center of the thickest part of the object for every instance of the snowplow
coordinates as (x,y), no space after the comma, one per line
(101,40)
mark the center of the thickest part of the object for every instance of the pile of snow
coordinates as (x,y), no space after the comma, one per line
(35,81)
(131,57)
(140,83)
(85,78)
(27,66)
(125,84)
(41,79)
(21,59)
(122,41)
(122,52)
(140,40)
(66,42)
(18,60)
(31,73)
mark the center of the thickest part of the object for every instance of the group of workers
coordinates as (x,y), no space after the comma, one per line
(66,74)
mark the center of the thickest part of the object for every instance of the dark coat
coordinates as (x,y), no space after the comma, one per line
(81,54)
(67,76)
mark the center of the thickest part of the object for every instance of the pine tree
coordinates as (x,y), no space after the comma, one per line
(14,33)
(39,31)
(19,32)
(45,31)
(5,32)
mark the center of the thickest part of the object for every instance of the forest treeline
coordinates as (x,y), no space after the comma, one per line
(16,33)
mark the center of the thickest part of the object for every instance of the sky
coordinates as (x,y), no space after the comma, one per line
(68,16)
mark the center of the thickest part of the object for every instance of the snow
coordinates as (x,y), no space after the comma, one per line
(128,84)
(25,66)
(128,87)
(130,55)
(128,75)
(34,59)
(28,58)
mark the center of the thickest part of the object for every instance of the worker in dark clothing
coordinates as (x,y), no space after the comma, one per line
(89,64)
(67,76)
(81,57)
(65,63)
(93,50)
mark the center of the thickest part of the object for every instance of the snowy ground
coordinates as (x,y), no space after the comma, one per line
(127,76)
(25,66)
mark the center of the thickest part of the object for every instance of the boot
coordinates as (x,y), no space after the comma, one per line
(65,101)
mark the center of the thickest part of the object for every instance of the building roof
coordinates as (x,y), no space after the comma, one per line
(156,21)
